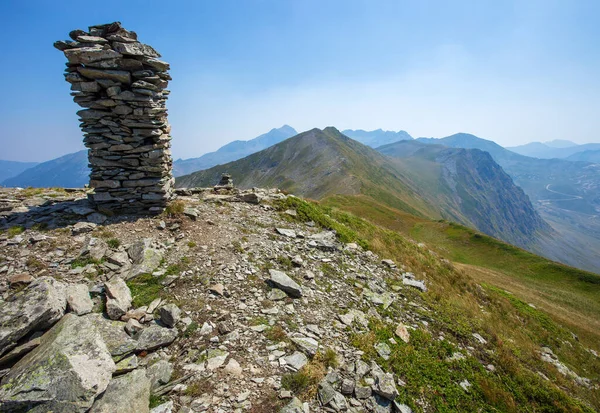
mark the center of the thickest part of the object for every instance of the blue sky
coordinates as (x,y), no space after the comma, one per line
(510,71)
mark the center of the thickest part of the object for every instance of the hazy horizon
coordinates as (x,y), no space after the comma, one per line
(507,71)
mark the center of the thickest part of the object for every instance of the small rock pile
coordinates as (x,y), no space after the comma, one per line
(225,183)
(121,84)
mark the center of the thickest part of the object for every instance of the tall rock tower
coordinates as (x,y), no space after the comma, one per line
(121,84)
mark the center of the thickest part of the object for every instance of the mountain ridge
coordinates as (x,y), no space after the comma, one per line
(318,164)
(565,193)
(69,170)
(10,169)
(545,151)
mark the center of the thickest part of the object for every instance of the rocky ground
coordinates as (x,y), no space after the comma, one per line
(224,303)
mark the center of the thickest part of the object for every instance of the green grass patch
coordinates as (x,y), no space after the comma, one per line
(145,288)
(191,329)
(285,262)
(157,400)
(84,262)
(113,243)
(14,231)
(42,226)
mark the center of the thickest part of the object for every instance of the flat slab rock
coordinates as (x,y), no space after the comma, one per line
(307,345)
(41,304)
(78,299)
(155,336)
(65,373)
(414,283)
(282,281)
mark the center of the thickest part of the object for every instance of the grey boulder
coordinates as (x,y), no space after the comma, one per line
(307,345)
(146,258)
(385,386)
(170,314)
(154,337)
(41,304)
(285,283)
(118,298)
(159,373)
(65,373)
(127,393)
(78,299)
(113,334)
(295,406)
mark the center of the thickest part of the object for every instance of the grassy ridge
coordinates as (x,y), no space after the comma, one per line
(515,331)
(570,294)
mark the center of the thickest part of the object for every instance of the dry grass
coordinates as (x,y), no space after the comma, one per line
(583,323)
(174,209)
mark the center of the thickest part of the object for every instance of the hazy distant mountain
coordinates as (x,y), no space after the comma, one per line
(468,141)
(376,138)
(67,171)
(466,186)
(559,143)
(233,151)
(72,170)
(8,169)
(585,156)
(554,149)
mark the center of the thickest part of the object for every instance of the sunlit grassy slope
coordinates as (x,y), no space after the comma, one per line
(567,293)
(472,298)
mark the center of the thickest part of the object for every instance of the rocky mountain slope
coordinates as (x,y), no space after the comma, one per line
(8,169)
(472,188)
(233,151)
(315,164)
(565,193)
(450,185)
(258,301)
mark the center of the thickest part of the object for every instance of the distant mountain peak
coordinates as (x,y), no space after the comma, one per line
(560,143)
(377,137)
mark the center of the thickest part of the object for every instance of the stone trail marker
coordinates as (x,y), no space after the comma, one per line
(121,83)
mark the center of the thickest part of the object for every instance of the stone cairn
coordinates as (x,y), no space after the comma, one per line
(225,183)
(121,84)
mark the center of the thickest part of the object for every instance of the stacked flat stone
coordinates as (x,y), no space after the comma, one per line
(121,84)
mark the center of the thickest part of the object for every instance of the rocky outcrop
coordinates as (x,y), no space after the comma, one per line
(37,307)
(65,373)
(121,83)
(146,257)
